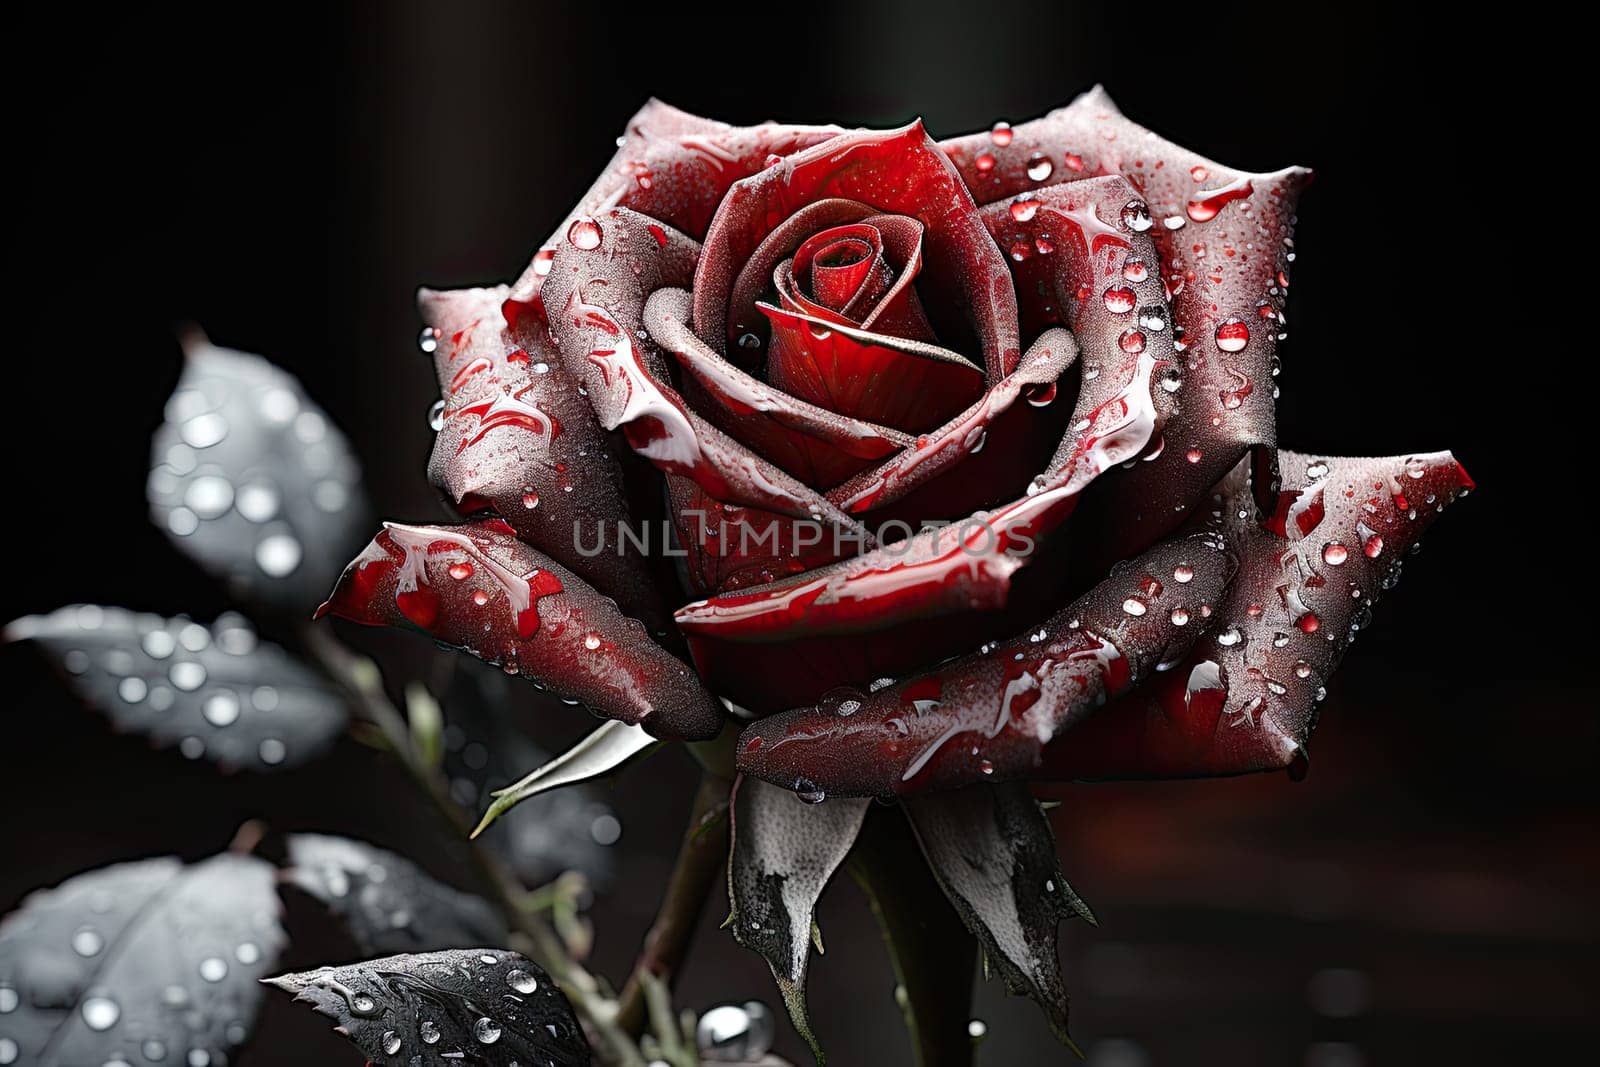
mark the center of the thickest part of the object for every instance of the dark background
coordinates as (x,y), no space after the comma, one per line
(287,182)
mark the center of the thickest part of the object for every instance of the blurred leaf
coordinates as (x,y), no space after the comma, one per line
(484,1006)
(993,853)
(141,962)
(387,903)
(251,480)
(569,829)
(216,692)
(784,853)
(934,955)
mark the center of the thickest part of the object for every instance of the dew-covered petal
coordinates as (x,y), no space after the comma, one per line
(785,851)
(595,297)
(478,588)
(517,436)
(1246,696)
(818,445)
(1224,240)
(726,547)
(967,289)
(987,448)
(988,715)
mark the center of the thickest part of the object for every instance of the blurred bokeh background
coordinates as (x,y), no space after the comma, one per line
(1425,896)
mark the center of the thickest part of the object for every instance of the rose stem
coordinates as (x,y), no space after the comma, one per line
(360,678)
(701,858)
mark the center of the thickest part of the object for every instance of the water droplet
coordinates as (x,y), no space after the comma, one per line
(530,500)
(1039,166)
(461,571)
(1135,215)
(391,1043)
(247,953)
(199,1057)
(1131,342)
(203,431)
(1040,395)
(985,163)
(272,751)
(1302,669)
(1119,299)
(1024,209)
(213,968)
(584,234)
(429,1031)
(192,747)
(428,340)
(9,1051)
(1134,606)
(1371,540)
(1198,173)
(977,1029)
(100,1013)
(749,340)
(8,1000)
(807,791)
(1183,574)
(132,690)
(1153,319)
(1001,134)
(221,709)
(187,675)
(1316,469)
(1180,616)
(1334,554)
(591,641)
(985,767)
(1193,455)
(209,496)
(522,981)
(436,416)
(1233,335)
(87,942)
(480,597)
(486,1030)
(1171,380)
(278,555)
(1230,637)
(1309,623)
(257,503)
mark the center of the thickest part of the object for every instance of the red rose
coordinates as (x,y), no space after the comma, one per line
(821,340)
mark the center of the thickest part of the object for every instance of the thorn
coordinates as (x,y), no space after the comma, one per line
(816,936)
(726,922)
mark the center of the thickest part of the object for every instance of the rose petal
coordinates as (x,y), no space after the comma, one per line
(784,853)
(725,547)
(1245,698)
(988,715)
(595,296)
(519,437)
(983,448)
(816,445)
(1224,239)
(480,589)
(674,167)
(993,853)
(901,172)
(908,384)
